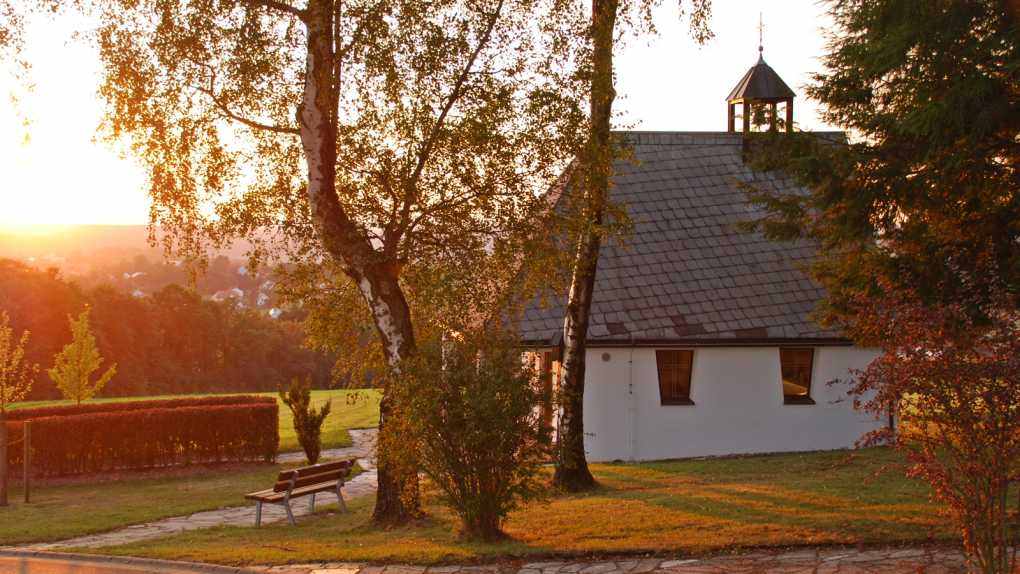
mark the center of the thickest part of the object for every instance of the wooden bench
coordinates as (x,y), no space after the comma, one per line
(304,481)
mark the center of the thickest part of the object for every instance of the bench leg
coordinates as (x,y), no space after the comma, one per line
(311,503)
(258,514)
(340,497)
(290,515)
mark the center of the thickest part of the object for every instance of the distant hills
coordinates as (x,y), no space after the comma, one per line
(120,256)
(79,249)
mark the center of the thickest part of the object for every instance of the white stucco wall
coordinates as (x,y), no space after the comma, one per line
(738,405)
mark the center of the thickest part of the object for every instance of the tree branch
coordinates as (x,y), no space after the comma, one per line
(226,111)
(277,5)
(425,152)
(343,49)
(458,88)
(340,50)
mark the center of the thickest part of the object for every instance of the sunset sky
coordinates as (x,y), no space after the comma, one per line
(60,175)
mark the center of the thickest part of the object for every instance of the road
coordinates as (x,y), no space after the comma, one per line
(36,565)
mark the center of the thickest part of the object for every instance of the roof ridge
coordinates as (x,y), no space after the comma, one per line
(710,132)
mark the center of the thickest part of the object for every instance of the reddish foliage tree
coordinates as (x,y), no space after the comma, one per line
(952,374)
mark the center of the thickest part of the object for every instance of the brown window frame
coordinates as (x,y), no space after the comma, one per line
(661,364)
(797,399)
(547,389)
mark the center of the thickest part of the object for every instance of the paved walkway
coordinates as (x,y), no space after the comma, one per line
(808,561)
(101,565)
(361,485)
(363,447)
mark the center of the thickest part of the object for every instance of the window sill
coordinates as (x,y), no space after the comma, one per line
(798,401)
(677,403)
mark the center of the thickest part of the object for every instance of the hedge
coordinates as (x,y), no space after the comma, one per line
(122,439)
(65,410)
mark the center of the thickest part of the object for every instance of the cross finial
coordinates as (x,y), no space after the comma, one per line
(761,31)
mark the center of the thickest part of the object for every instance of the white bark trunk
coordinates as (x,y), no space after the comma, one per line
(342,237)
(392,334)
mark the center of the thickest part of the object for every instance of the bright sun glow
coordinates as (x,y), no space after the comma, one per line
(60,175)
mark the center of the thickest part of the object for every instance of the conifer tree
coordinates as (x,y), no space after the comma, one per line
(307,419)
(925,193)
(74,365)
(918,219)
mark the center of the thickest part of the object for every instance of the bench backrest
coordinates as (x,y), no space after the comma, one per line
(306,475)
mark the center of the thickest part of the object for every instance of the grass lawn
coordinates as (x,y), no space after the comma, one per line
(686,507)
(351,409)
(74,507)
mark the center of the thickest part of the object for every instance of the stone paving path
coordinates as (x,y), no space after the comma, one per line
(807,561)
(363,441)
(361,485)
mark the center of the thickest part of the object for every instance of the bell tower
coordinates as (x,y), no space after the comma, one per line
(760,85)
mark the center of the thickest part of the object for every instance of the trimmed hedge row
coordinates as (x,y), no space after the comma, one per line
(14,446)
(66,410)
(149,437)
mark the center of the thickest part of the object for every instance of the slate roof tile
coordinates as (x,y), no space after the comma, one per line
(685,255)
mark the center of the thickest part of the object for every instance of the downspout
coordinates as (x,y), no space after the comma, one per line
(632,407)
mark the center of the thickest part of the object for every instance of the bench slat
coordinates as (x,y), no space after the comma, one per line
(321,468)
(324,467)
(311,478)
(260,494)
(297,479)
(321,477)
(271,496)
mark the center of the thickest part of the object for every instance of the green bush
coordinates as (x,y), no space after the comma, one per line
(307,421)
(468,413)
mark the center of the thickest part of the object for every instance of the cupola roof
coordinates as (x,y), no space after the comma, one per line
(761,83)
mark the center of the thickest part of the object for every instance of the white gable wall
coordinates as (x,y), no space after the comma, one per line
(738,405)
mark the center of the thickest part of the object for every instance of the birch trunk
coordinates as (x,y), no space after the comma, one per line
(572,472)
(343,239)
(396,499)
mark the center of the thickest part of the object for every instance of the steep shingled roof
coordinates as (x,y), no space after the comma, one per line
(686,274)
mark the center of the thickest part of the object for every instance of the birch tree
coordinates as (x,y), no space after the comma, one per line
(594,182)
(363,140)
(16,373)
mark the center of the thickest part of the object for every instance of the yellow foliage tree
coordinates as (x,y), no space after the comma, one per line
(74,364)
(16,374)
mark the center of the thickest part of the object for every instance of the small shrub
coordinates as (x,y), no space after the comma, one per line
(954,381)
(307,421)
(468,413)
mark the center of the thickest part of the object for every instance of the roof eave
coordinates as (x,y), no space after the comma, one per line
(705,342)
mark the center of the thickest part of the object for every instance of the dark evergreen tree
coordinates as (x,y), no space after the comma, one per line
(925,194)
(307,419)
(918,219)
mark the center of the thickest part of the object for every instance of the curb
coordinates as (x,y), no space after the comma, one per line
(124,560)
